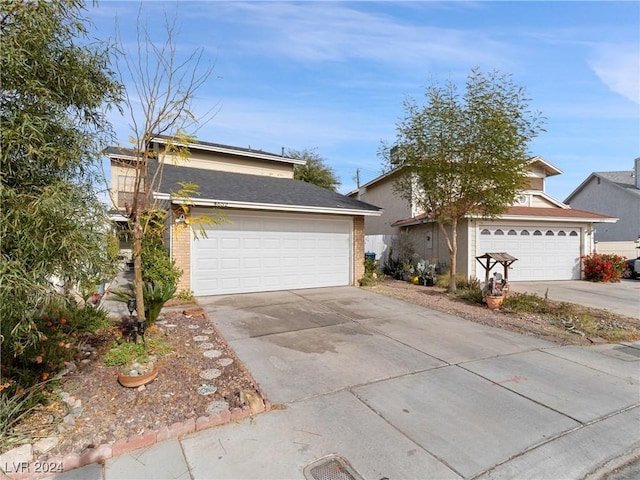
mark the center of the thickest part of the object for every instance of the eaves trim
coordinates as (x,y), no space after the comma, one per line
(269,206)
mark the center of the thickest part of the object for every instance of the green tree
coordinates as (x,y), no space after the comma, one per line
(315,170)
(462,155)
(54,91)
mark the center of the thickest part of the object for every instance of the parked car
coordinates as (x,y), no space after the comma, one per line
(633,268)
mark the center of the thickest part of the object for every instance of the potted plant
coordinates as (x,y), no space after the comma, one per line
(135,355)
(495,291)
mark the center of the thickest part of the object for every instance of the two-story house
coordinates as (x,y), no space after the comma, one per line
(616,194)
(545,235)
(277,233)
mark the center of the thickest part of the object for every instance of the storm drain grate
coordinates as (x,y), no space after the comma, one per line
(331,467)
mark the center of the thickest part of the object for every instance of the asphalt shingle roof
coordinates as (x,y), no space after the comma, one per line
(624,179)
(237,187)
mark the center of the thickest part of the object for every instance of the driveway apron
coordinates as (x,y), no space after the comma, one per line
(403,391)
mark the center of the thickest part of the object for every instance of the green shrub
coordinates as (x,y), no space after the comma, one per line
(157,265)
(473,294)
(462,282)
(371,275)
(186,295)
(126,353)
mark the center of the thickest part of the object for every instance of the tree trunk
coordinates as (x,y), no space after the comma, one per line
(452,245)
(137,267)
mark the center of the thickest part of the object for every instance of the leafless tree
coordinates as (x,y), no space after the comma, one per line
(161,86)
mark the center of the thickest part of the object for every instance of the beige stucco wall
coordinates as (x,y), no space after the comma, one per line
(627,249)
(395,208)
(431,245)
(232,163)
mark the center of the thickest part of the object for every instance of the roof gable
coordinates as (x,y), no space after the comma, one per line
(623,180)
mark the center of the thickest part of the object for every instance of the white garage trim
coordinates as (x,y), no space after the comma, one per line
(265,251)
(543,252)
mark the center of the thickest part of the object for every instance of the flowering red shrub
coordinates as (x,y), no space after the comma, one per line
(603,267)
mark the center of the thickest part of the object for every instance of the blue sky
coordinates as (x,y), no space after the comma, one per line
(332,76)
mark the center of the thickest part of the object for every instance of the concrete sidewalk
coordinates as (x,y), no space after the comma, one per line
(401,391)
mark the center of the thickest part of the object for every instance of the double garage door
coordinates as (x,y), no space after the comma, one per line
(543,253)
(266,251)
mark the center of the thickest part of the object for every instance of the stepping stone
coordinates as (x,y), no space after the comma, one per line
(205,389)
(210,374)
(216,407)
(206,346)
(208,332)
(212,353)
(224,362)
(201,338)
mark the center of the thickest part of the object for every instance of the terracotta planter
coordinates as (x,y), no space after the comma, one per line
(494,302)
(133,381)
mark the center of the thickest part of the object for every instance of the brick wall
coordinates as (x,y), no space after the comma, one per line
(181,253)
(358,249)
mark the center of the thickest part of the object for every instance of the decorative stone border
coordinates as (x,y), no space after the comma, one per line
(120,447)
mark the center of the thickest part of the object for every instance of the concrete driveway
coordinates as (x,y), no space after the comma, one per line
(402,391)
(622,298)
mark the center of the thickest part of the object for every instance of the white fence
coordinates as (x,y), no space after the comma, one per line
(628,249)
(378,244)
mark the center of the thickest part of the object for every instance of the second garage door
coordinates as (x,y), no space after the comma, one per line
(543,253)
(266,251)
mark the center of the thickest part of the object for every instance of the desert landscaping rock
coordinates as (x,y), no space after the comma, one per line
(225,362)
(201,338)
(212,353)
(210,374)
(217,406)
(206,346)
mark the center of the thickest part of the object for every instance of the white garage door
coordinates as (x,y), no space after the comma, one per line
(543,253)
(267,251)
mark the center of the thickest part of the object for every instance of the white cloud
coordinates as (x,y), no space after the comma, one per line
(618,67)
(328,31)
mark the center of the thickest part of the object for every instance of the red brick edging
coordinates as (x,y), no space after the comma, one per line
(120,447)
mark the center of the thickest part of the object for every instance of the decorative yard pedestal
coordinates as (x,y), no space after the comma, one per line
(490,260)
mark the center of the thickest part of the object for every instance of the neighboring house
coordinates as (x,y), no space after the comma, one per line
(616,194)
(278,233)
(545,235)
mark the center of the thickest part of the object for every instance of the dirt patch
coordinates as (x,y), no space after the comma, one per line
(93,409)
(528,324)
